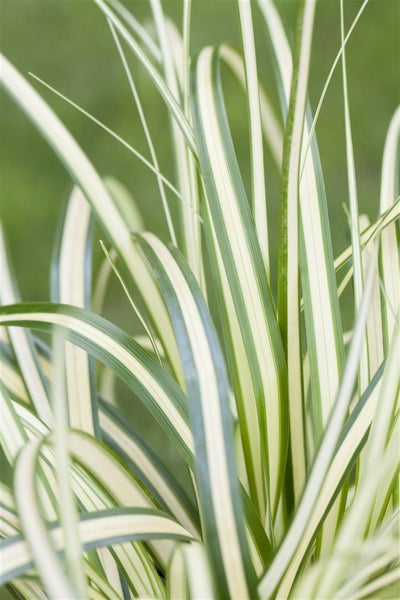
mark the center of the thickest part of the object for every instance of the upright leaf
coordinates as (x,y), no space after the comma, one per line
(208,391)
(252,340)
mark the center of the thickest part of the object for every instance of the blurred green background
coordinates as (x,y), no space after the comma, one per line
(68,44)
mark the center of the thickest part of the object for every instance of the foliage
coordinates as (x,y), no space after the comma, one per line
(287,425)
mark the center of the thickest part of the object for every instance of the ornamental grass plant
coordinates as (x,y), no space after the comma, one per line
(283,426)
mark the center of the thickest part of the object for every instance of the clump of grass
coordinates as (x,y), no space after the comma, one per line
(287,425)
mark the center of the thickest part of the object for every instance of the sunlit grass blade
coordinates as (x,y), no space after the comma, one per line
(118,351)
(251,336)
(208,392)
(288,284)
(71,280)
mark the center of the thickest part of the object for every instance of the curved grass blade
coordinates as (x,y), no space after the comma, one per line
(102,528)
(71,282)
(177,580)
(206,379)
(66,509)
(98,489)
(83,172)
(129,445)
(117,350)
(46,560)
